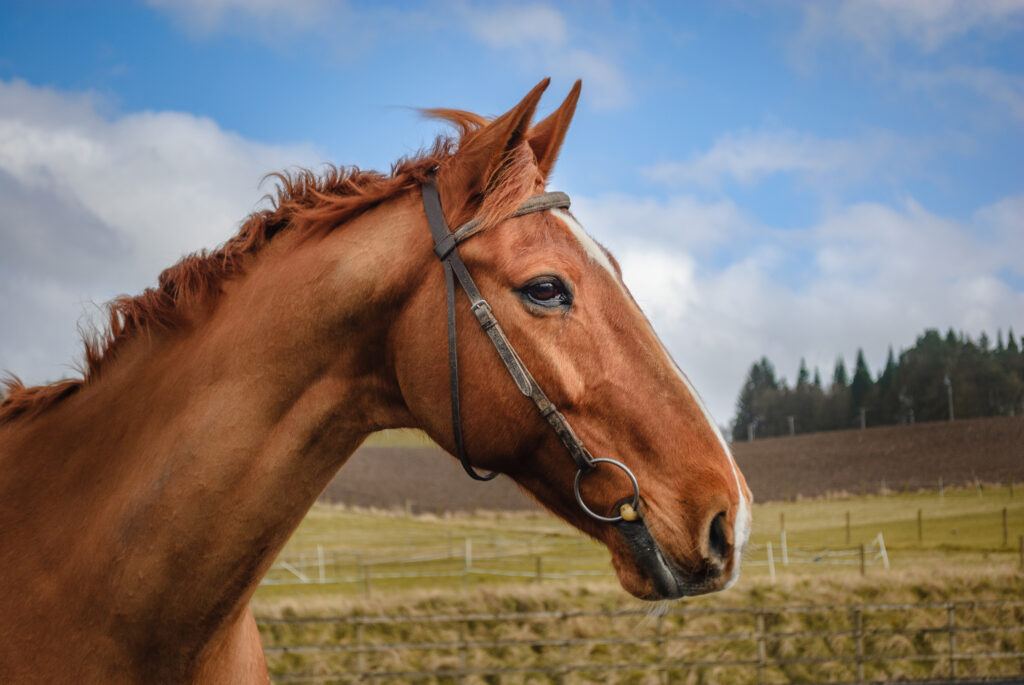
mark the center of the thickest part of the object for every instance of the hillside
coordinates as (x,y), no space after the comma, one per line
(896,457)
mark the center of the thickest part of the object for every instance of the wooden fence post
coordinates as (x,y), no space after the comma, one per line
(771,563)
(858,635)
(463,651)
(361,652)
(785,548)
(882,552)
(762,647)
(1006,530)
(920,527)
(863,554)
(951,628)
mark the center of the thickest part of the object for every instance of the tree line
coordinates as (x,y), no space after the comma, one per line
(975,376)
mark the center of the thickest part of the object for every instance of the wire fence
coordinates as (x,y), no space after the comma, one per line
(924,642)
(499,559)
(533,562)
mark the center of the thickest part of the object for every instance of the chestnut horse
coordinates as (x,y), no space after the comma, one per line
(141,504)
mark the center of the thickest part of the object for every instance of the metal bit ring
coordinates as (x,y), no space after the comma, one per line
(579,497)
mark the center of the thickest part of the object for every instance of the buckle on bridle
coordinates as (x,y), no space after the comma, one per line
(482,311)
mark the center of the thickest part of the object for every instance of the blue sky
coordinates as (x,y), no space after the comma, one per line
(794,179)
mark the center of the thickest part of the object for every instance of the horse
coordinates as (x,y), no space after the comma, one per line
(141,503)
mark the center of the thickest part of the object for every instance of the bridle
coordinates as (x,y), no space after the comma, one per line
(446,248)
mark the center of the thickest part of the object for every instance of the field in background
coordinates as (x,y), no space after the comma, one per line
(893,457)
(519,597)
(342,551)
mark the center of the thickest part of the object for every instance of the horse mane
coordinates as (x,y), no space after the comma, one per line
(303,202)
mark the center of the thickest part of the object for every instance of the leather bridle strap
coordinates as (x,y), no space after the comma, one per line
(446,247)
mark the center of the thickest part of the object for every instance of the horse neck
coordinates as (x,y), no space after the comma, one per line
(163,490)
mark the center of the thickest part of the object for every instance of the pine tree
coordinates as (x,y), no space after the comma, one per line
(886,406)
(751,403)
(803,376)
(745,411)
(861,386)
(839,377)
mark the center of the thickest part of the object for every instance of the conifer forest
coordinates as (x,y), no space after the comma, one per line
(940,377)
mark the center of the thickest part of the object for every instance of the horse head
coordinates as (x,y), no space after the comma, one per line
(561,301)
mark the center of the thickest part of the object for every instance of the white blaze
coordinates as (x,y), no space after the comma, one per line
(589,245)
(741,526)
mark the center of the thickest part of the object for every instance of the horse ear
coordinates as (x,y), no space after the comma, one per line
(478,162)
(546,137)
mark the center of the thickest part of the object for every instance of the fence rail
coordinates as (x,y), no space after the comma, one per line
(947,641)
(326,568)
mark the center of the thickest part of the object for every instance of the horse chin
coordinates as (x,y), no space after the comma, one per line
(649,575)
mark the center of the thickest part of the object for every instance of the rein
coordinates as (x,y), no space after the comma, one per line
(446,248)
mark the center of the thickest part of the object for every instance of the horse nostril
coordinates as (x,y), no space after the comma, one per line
(718,544)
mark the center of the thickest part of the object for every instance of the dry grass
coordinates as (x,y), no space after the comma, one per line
(599,642)
(961,558)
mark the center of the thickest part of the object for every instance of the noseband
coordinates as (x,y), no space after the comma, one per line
(446,248)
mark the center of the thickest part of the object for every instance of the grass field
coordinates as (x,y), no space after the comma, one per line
(371,552)
(374,624)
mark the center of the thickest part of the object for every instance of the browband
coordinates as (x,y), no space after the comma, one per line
(537,203)
(444,244)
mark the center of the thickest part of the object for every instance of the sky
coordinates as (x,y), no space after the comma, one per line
(790,179)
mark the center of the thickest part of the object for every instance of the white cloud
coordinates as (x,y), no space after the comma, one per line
(97,205)
(542,40)
(533,38)
(750,156)
(517,26)
(867,275)
(1001,88)
(607,86)
(878,25)
(681,220)
(207,16)
(893,34)
(664,284)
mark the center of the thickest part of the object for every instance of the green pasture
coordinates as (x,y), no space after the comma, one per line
(344,552)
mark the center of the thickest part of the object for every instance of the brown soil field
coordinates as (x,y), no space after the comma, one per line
(426,479)
(894,457)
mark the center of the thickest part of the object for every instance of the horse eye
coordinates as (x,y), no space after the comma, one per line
(547,291)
